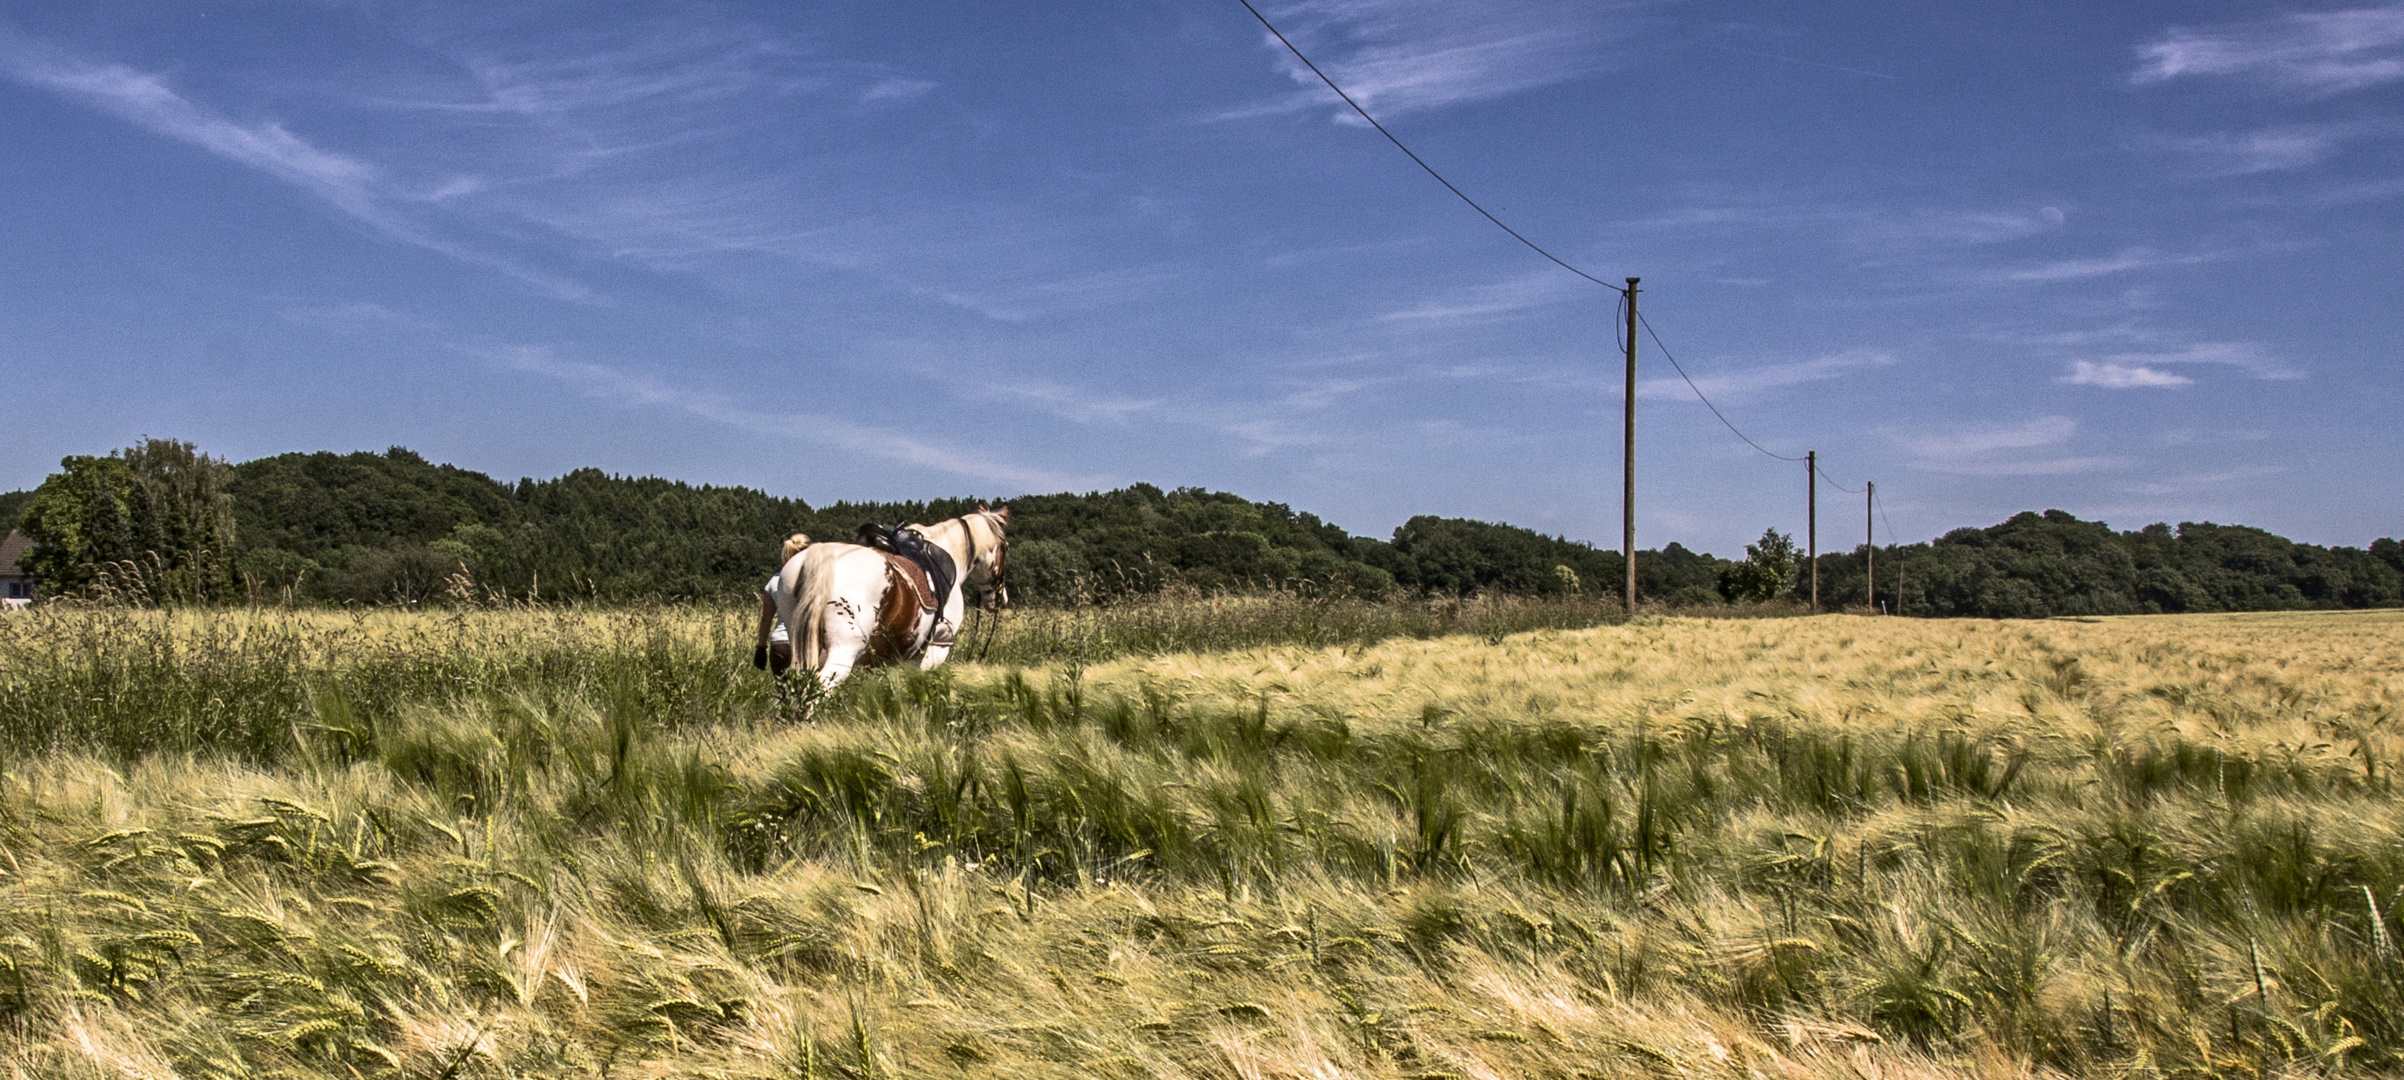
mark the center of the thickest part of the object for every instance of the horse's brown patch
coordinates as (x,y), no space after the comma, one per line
(896,635)
(914,577)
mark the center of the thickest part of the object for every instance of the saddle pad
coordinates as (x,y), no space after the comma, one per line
(915,578)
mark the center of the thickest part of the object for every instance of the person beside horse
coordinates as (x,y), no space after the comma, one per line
(899,597)
(774,653)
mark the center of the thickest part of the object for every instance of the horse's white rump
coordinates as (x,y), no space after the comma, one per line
(842,607)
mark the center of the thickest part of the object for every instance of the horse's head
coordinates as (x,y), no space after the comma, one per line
(987,529)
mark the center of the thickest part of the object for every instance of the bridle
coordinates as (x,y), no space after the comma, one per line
(997,593)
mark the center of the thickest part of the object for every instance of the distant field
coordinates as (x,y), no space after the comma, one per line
(558,843)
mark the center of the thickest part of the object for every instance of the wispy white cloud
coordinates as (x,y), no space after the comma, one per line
(146,100)
(355,186)
(2193,436)
(2122,376)
(896,89)
(1036,293)
(1975,440)
(1769,376)
(2321,52)
(1872,229)
(595,83)
(2263,150)
(1799,60)
(1524,292)
(354,317)
(2192,483)
(2135,258)
(2059,466)
(2132,355)
(1075,404)
(639,144)
(2250,357)
(1991,449)
(633,389)
(2363,192)
(1265,435)
(1397,57)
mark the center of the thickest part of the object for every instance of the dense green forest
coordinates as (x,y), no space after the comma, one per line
(163,521)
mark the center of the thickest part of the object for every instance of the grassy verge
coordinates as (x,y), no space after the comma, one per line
(489,846)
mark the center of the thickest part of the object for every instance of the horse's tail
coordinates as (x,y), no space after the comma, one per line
(811,611)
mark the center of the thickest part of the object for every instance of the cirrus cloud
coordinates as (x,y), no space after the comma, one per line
(2122,376)
(2320,52)
(1993,449)
(1404,56)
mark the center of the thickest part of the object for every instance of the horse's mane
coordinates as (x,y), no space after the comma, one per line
(996,523)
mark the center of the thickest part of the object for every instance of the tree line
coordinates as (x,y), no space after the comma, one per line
(163,522)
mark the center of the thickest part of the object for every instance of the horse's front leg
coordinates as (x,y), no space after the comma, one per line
(946,633)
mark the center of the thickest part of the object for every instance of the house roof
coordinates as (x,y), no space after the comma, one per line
(16,544)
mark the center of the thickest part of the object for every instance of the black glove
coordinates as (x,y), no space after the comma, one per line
(759,657)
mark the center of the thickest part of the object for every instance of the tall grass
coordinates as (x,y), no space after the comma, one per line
(569,844)
(1197,623)
(128,681)
(242,682)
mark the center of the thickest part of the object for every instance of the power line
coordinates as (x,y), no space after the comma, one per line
(1723,417)
(1421,162)
(1890,529)
(1538,249)
(1698,393)
(1498,223)
(1832,482)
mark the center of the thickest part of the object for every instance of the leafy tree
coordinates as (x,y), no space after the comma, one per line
(78,520)
(394,527)
(314,505)
(152,519)
(1049,572)
(407,574)
(2036,565)
(1768,570)
(1676,576)
(1459,556)
(12,507)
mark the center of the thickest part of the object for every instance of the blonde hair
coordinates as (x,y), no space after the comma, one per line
(793,546)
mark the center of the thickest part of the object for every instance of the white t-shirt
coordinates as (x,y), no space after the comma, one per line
(772,590)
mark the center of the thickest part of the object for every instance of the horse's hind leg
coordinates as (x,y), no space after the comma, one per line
(846,640)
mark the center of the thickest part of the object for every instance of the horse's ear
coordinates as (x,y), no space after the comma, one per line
(981,507)
(1003,513)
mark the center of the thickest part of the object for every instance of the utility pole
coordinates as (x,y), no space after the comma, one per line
(1869,530)
(1627,508)
(1811,528)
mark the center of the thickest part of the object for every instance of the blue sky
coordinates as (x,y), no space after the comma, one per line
(2138,261)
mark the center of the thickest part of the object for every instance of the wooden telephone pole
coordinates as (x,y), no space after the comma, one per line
(1627,508)
(1811,528)
(1869,531)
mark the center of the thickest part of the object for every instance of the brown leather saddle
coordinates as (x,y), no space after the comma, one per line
(926,570)
(913,577)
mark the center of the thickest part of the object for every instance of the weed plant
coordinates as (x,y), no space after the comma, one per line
(578,843)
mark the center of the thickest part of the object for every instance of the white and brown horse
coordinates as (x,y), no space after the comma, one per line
(849,605)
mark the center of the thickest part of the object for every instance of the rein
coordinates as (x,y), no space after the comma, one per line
(993,585)
(988,618)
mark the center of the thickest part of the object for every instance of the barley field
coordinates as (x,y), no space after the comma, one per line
(1204,839)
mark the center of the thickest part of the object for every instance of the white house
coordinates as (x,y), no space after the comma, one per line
(16,586)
